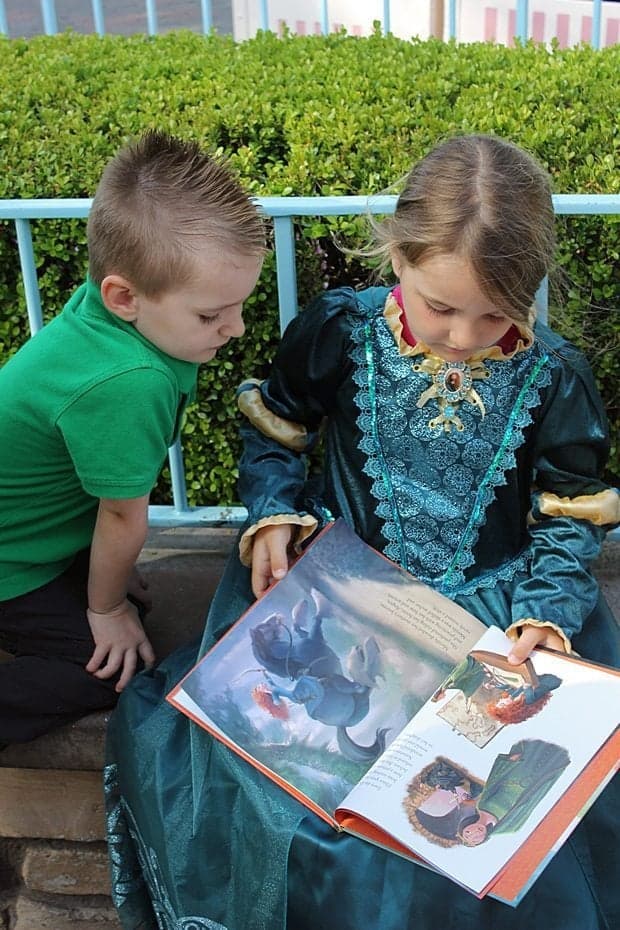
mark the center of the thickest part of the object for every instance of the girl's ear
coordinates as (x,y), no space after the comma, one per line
(120,297)
(397,261)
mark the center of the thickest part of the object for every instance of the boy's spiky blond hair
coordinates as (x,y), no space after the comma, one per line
(160,201)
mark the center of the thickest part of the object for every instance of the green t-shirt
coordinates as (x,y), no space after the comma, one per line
(88,408)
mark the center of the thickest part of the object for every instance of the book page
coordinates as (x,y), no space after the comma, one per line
(324,671)
(466,805)
(445,627)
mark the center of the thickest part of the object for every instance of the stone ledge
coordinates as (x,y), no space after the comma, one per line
(78,746)
(51,804)
(33,914)
(66,868)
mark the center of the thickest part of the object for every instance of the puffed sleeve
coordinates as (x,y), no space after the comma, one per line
(571,507)
(283,415)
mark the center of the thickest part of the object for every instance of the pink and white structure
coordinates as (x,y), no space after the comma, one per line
(570,21)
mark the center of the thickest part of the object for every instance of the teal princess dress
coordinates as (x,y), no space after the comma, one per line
(481,478)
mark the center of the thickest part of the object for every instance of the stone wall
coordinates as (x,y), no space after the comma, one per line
(53,857)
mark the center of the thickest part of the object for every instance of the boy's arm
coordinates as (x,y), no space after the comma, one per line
(120,532)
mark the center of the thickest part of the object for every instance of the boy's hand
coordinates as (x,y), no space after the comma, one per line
(270,559)
(119,640)
(532,636)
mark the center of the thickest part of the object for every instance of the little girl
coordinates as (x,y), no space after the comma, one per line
(465,442)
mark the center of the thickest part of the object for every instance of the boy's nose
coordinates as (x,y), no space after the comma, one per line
(234,327)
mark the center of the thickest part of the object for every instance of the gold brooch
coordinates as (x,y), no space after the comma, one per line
(452,384)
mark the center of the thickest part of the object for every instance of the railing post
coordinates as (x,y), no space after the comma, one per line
(151,17)
(177,477)
(522,19)
(596,23)
(207,17)
(452,19)
(98,17)
(264,15)
(386,17)
(48,10)
(324,18)
(29,275)
(284,235)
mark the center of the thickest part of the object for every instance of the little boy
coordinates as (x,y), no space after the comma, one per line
(89,407)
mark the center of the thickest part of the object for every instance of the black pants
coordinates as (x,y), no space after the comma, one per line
(46,684)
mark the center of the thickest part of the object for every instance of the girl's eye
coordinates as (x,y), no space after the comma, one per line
(496,319)
(204,318)
(439,311)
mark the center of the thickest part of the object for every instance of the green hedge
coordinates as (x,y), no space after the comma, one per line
(303,115)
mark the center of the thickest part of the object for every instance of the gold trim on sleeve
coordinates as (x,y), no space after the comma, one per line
(292,435)
(601,509)
(306,524)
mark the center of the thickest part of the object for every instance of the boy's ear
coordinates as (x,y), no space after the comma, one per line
(120,297)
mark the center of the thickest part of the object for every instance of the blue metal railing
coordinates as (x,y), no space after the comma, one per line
(50,21)
(283,211)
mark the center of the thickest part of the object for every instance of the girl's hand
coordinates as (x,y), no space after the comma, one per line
(270,560)
(532,636)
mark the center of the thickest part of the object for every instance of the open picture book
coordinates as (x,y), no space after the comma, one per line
(394,715)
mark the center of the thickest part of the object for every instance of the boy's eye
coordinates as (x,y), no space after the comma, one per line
(205,318)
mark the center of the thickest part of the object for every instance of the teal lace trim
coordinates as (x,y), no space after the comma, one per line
(505,572)
(135,867)
(503,461)
(368,422)
(433,488)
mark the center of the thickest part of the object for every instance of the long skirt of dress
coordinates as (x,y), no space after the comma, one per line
(200,839)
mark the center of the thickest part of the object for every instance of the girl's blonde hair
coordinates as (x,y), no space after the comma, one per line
(485,200)
(159,202)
